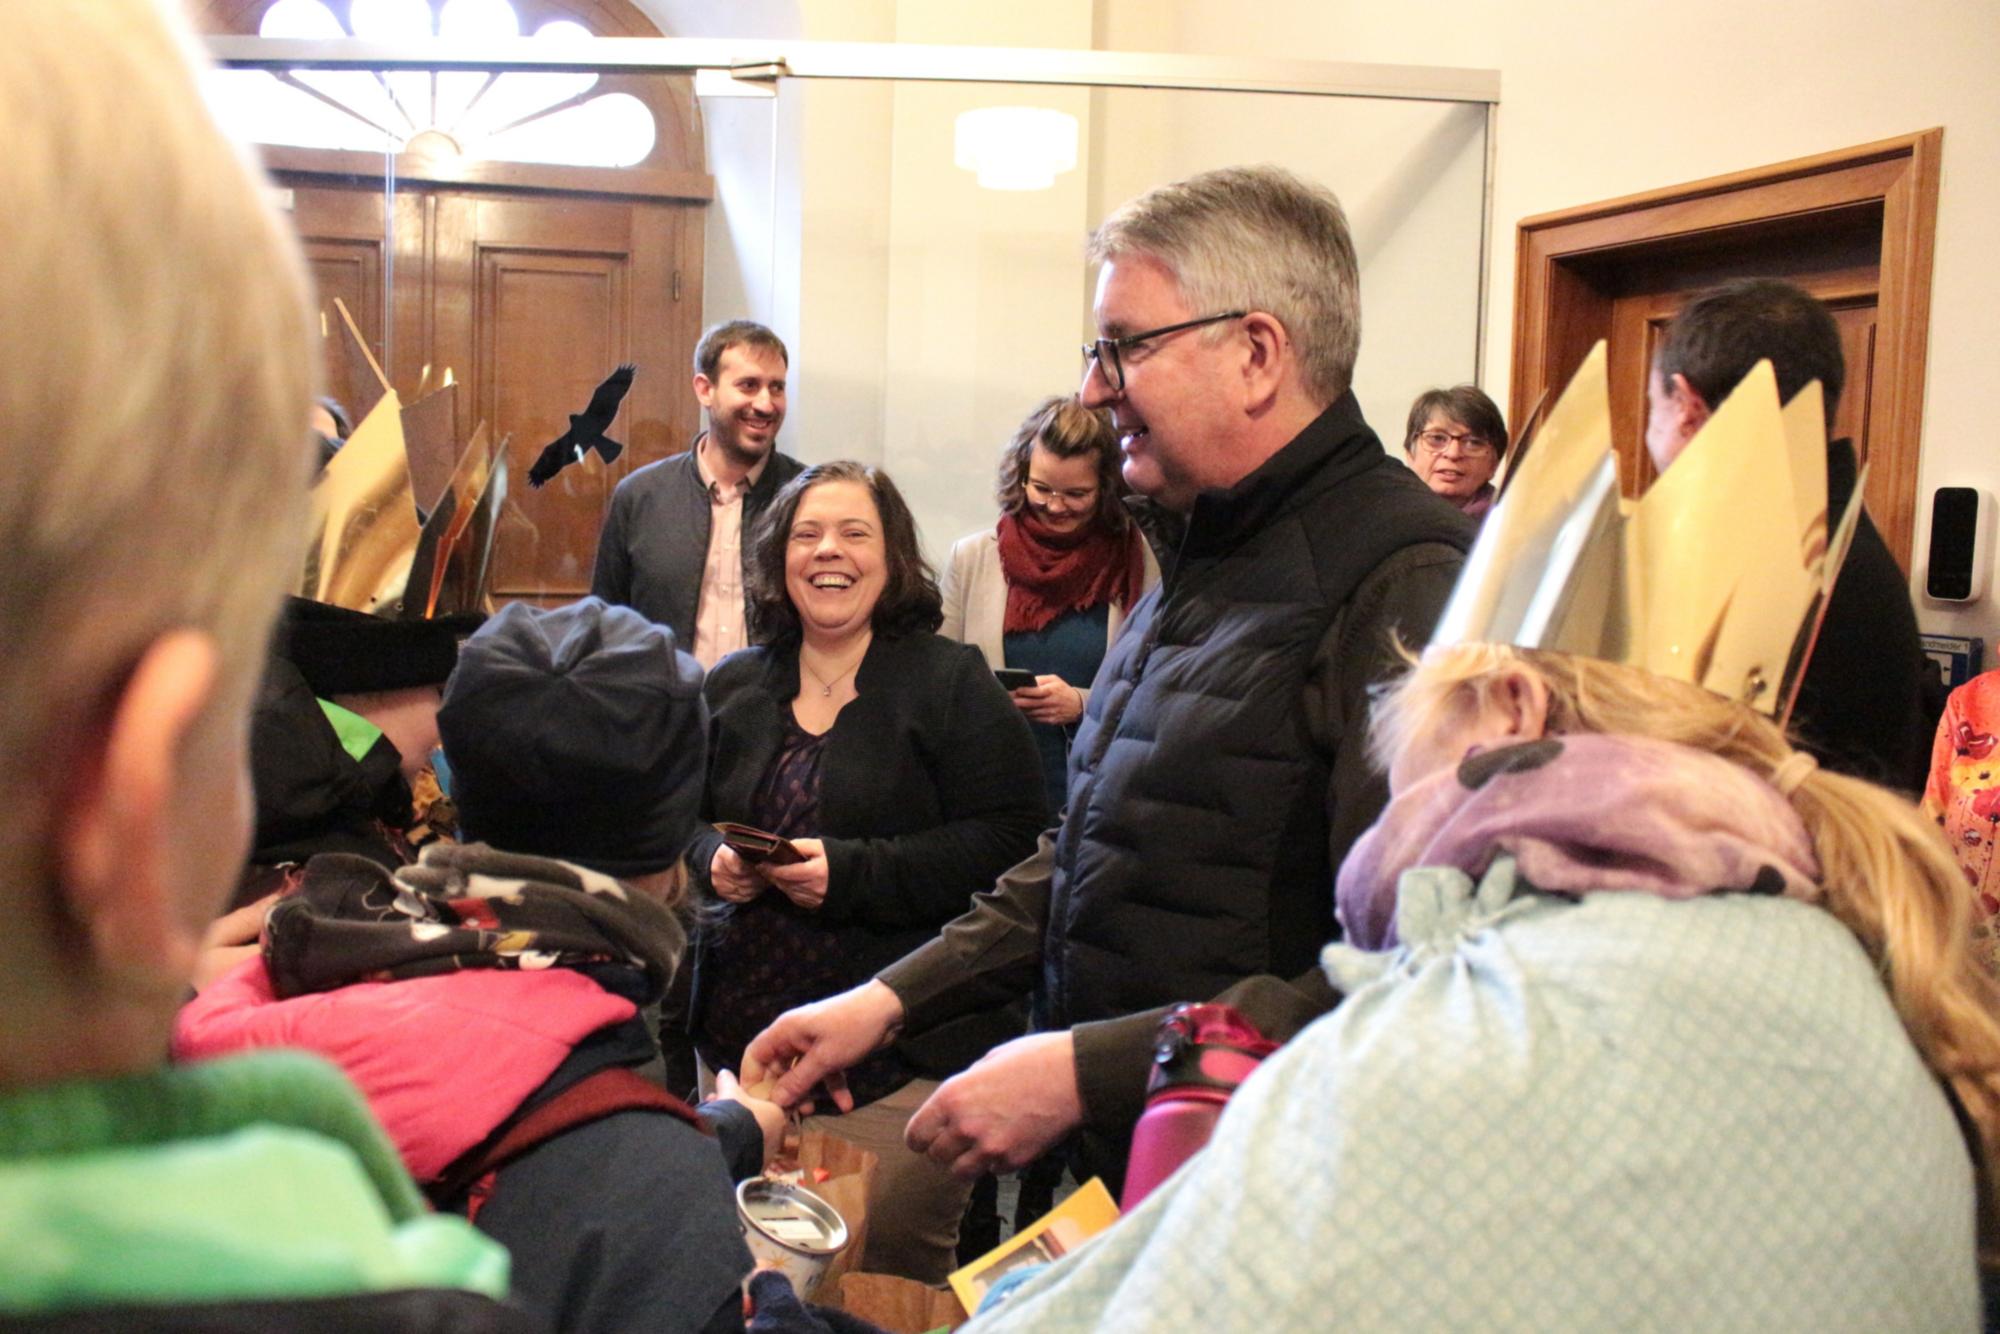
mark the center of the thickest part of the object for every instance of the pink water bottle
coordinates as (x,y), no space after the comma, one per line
(1202,1052)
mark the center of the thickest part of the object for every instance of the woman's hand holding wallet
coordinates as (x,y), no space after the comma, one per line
(803,882)
(734,880)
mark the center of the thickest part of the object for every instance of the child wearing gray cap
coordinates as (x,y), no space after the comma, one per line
(488,999)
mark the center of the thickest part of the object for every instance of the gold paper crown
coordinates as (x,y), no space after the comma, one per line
(1718,577)
(403,521)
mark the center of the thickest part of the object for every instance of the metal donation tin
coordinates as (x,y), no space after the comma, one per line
(792,1228)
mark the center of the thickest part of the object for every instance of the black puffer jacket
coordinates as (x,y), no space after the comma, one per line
(1195,848)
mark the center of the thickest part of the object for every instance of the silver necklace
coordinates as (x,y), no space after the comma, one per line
(826,686)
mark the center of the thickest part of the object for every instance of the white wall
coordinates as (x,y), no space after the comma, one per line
(1607,98)
(982,305)
(1598,100)
(1408,174)
(740,135)
(927,315)
(925,301)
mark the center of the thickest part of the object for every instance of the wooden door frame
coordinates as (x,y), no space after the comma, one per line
(1558,316)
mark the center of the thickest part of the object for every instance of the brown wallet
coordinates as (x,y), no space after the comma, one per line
(757,845)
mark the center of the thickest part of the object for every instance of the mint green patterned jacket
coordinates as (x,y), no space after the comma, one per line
(1545,1113)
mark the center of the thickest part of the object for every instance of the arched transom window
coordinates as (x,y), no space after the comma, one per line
(511,117)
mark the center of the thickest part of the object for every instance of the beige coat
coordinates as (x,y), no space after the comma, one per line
(975,597)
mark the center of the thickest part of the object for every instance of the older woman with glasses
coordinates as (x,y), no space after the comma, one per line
(1046,589)
(1456,439)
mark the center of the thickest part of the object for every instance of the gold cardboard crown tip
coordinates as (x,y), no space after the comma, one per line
(1717,576)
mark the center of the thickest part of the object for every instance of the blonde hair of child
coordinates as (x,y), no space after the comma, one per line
(157,366)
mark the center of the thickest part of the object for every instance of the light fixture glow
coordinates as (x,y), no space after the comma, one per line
(1015,148)
(300,18)
(282,114)
(516,97)
(615,130)
(517,116)
(478,20)
(390,20)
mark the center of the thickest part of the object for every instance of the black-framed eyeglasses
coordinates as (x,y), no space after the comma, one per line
(1437,441)
(1042,493)
(1104,352)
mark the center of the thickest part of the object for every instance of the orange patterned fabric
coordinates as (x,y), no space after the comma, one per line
(1963,795)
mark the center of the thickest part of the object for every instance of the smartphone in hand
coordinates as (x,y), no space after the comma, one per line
(1014,678)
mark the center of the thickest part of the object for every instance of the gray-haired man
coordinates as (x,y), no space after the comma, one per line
(1220,772)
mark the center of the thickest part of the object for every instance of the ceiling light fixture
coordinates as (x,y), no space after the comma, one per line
(1015,148)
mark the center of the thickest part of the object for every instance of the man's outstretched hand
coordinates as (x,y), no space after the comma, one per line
(816,1043)
(1013,1105)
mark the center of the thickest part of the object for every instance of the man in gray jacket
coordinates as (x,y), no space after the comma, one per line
(1220,770)
(675,541)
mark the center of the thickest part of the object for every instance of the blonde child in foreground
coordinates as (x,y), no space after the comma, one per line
(155,379)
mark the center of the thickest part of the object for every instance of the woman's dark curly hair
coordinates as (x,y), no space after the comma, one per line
(1068,430)
(910,600)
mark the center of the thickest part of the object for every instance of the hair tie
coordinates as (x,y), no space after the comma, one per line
(1787,777)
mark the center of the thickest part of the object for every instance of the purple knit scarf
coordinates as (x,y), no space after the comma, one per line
(1583,814)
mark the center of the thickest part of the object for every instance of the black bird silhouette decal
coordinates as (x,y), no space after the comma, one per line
(586,429)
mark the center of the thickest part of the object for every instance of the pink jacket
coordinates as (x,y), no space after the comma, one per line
(443,1060)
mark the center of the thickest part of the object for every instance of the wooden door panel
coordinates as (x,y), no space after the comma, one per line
(1640,317)
(593,225)
(1634,338)
(1854,228)
(1856,319)
(413,364)
(666,320)
(562,291)
(551,326)
(342,235)
(529,300)
(451,298)
(351,272)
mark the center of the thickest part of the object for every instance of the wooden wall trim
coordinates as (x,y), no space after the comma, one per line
(1900,147)
(1909,239)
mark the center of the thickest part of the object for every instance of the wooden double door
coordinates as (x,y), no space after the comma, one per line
(529,299)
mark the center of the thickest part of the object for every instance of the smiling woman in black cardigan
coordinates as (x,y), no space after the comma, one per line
(896,763)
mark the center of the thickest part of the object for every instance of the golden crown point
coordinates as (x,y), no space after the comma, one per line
(372,547)
(1718,576)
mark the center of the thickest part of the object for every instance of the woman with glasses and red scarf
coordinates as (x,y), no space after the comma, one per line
(1045,590)
(1455,440)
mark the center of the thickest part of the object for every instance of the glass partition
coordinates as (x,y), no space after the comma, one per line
(926,311)
(932,312)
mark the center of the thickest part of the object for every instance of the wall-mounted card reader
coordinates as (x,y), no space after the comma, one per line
(1961,544)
